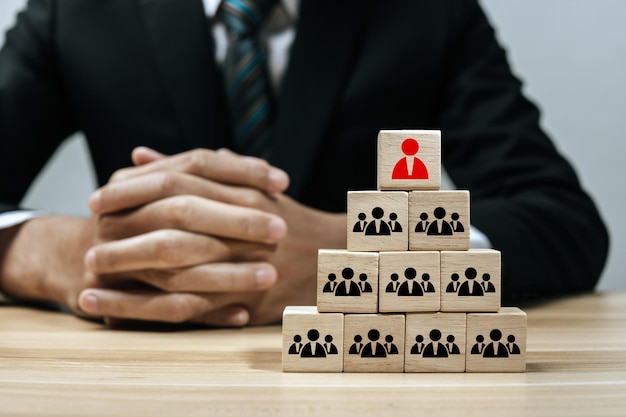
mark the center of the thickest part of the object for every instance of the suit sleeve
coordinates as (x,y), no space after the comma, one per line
(526,197)
(34,113)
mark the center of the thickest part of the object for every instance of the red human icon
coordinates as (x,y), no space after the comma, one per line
(409,167)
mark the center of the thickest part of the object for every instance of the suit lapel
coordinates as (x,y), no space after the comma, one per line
(321,57)
(180,36)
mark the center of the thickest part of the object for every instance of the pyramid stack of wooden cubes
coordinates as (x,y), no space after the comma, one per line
(408,294)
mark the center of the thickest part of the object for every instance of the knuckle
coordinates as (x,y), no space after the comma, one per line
(258,170)
(183,308)
(167,250)
(166,183)
(119,175)
(252,198)
(198,159)
(181,211)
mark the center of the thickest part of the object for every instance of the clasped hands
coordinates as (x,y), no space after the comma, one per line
(204,237)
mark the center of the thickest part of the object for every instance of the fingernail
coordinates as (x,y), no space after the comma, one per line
(265,277)
(90,260)
(277,228)
(94,201)
(89,303)
(240,318)
(279,179)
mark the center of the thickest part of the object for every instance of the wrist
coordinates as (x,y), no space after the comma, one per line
(42,257)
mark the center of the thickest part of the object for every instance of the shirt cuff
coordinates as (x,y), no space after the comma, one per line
(13,218)
(478,240)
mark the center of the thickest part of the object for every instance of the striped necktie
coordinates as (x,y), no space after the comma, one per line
(248,88)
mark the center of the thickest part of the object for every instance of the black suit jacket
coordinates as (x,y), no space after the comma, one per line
(141,72)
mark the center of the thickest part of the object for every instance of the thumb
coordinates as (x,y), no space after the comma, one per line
(143,155)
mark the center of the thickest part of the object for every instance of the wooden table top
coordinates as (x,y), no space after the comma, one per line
(56,364)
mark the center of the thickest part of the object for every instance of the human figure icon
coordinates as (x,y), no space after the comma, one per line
(453,286)
(511,346)
(410,288)
(470,287)
(357,346)
(479,346)
(394,224)
(373,349)
(329,346)
(486,284)
(390,347)
(296,346)
(457,226)
(359,226)
(331,285)
(347,287)
(364,286)
(422,225)
(453,348)
(394,284)
(426,285)
(495,349)
(439,227)
(378,227)
(409,167)
(435,349)
(313,349)
(418,347)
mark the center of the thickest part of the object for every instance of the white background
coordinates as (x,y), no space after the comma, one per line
(571,55)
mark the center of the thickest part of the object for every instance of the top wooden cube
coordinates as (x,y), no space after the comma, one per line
(409,160)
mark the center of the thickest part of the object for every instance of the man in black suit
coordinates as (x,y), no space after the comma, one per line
(213,237)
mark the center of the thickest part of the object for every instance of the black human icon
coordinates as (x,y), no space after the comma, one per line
(313,349)
(360,225)
(410,288)
(435,349)
(390,347)
(364,286)
(329,346)
(296,346)
(357,346)
(479,346)
(426,285)
(495,349)
(422,225)
(471,287)
(487,286)
(418,347)
(373,349)
(347,287)
(394,224)
(377,227)
(331,285)
(394,284)
(453,348)
(457,226)
(511,346)
(439,227)
(453,286)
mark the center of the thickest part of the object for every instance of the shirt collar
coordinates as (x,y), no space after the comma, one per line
(291,7)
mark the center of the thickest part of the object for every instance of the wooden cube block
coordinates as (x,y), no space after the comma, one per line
(439,220)
(377,220)
(409,160)
(470,280)
(435,342)
(347,282)
(408,281)
(312,342)
(496,342)
(373,343)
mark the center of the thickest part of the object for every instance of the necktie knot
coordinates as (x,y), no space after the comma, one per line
(244,17)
